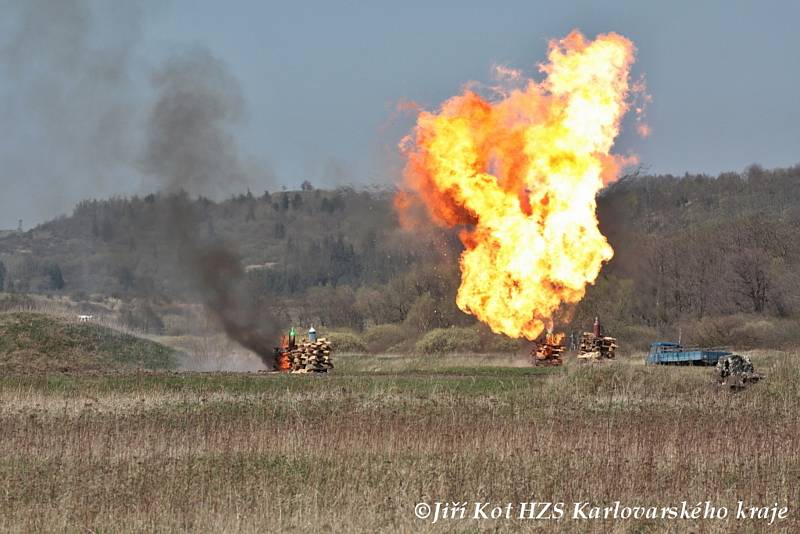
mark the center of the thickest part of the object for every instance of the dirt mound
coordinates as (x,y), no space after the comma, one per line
(39,343)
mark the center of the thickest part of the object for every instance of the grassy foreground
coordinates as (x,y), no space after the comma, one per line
(355,451)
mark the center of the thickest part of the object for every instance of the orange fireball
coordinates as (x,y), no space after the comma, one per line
(519,174)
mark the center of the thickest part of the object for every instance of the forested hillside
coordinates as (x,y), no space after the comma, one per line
(697,247)
(716,256)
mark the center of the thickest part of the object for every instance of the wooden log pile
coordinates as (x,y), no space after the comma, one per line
(311,356)
(594,347)
(548,351)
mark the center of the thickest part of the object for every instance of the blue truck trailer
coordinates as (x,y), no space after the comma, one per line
(668,353)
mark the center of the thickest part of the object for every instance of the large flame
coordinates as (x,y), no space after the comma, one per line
(520,173)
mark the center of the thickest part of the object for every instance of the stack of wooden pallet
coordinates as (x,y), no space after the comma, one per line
(594,347)
(548,351)
(311,356)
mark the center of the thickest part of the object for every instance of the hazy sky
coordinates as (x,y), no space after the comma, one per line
(321,82)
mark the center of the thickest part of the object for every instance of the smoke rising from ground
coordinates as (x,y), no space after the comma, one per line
(190,147)
(189,140)
(67,103)
(73,102)
(78,126)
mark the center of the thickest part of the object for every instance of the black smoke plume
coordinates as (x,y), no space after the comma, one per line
(67,102)
(190,148)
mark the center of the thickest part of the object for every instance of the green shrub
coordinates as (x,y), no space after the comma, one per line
(345,342)
(380,337)
(491,342)
(739,331)
(755,333)
(715,332)
(445,340)
(499,343)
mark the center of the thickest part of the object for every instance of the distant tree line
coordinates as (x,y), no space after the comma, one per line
(686,248)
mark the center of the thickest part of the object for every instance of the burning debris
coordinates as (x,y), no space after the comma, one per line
(548,349)
(282,361)
(310,355)
(736,372)
(594,346)
(519,173)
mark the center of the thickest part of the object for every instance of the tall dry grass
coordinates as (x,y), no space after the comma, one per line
(353,452)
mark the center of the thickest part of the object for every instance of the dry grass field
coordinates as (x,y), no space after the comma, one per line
(356,450)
